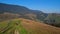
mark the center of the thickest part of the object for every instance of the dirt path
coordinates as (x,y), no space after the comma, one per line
(16,32)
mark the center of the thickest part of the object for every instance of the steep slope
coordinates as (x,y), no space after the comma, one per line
(25,26)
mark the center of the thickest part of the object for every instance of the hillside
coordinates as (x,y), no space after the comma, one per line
(53,19)
(25,26)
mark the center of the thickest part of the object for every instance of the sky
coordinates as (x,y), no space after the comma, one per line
(47,6)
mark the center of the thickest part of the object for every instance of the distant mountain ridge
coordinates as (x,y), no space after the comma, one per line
(23,11)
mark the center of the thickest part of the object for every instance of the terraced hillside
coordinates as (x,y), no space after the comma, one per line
(25,26)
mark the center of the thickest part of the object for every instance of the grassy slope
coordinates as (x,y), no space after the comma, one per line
(25,26)
(11,26)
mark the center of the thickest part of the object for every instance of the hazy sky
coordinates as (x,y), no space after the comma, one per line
(47,6)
